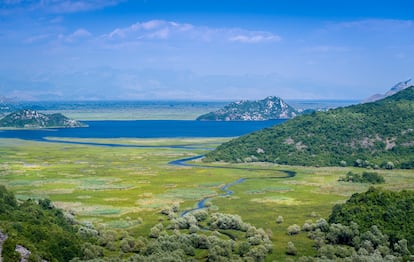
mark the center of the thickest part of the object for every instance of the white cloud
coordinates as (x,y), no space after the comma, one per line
(153,29)
(76,35)
(153,24)
(373,25)
(55,6)
(57,20)
(326,49)
(162,30)
(37,38)
(80,33)
(255,37)
(160,34)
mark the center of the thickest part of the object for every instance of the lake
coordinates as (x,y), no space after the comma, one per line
(146,129)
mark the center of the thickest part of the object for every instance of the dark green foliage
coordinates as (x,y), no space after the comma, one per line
(372,226)
(39,227)
(392,212)
(367,134)
(407,165)
(8,202)
(8,251)
(367,177)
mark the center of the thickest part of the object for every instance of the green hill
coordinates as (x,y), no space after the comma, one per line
(372,134)
(271,107)
(392,212)
(33,119)
(38,227)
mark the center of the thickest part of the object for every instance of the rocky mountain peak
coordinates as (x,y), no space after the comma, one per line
(395,89)
(28,118)
(272,107)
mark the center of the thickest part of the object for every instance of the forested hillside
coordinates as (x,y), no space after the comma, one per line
(372,226)
(392,212)
(37,227)
(378,134)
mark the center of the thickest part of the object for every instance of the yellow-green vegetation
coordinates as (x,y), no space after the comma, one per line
(177,112)
(125,188)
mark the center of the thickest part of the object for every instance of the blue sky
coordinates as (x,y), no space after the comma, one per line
(203,50)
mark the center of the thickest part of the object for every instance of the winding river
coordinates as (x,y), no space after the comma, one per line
(180,162)
(227,192)
(184,162)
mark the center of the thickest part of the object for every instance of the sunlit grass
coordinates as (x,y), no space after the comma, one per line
(125,188)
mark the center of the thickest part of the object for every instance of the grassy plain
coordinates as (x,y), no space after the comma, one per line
(160,111)
(124,188)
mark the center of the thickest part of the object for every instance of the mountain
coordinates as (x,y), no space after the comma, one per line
(33,119)
(271,107)
(7,105)
(372,134)
(395,89)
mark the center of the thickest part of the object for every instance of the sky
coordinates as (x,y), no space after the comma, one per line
(203,50)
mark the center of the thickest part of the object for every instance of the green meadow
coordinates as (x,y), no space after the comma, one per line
(125,188)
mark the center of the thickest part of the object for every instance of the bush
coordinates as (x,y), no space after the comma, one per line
(291,249)
(279,220)
(224,221)
(322,225)
(91,251)
(155,232)
(307,227)
(367,177)
(293,230)
(200,214)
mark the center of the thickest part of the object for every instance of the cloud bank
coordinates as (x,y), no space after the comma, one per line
(170,30)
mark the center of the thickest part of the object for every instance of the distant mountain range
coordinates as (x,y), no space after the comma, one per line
(271,107)
(33,119)
(377,134)
(395,89)
(6,104)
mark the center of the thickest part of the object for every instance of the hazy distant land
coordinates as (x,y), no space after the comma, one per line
(147,110)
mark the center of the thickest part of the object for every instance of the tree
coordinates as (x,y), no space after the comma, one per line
(291,249)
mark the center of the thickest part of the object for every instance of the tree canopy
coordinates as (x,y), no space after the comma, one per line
(378,134)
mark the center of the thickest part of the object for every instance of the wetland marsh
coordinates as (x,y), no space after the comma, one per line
(124,188)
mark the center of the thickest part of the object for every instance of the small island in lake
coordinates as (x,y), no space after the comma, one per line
(27,118)
(269,108)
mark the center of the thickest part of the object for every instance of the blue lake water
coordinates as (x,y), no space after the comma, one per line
(146,129)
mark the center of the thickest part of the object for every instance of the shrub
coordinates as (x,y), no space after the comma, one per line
(224,221)
(200,214)
(291,249)
(307,227)
(279,220)
(91,251)
(367,177)
(322,225)
(293,230)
